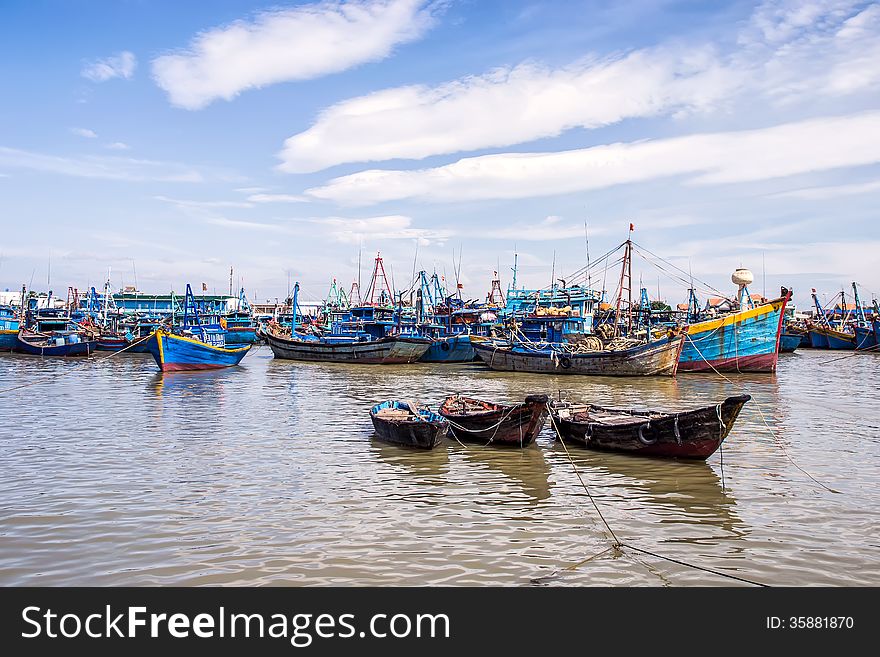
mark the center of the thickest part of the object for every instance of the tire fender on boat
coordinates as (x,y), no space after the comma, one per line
(646,441)
(444,346)
(565,362)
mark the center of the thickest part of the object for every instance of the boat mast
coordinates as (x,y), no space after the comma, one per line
(859,309)
(294,305)
(629,289)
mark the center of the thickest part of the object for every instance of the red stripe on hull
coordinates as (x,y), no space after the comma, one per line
(758,363)
(190,367)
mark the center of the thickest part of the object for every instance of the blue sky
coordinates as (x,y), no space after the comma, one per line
(170,140)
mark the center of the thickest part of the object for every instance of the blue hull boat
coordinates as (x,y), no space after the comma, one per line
(788,342)
(8,339)
(451,349)
(868,337)
(177,353)
(53,347)
(241,335)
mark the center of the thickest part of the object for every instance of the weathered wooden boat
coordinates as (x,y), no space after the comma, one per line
(406,423)
(825,337)
(111,342)
(788,342)
(693,434)
(450,349)
(742,341)
(868,337)
(656,358)
(55,345)
(197,351)
(342,349)
(486,422)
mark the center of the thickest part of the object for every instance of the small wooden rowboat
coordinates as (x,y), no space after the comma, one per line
(405,423)
(499,424)
(692,434)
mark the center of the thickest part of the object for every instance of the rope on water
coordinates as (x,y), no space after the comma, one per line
(58,376)
(618,545)
(764,420)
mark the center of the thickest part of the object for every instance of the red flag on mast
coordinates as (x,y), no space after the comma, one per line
(631,228)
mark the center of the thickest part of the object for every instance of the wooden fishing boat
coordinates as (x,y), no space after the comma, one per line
(9,327)
(56,346)
(405,423)
(176,353)
(694,434)
(825,337)
(486,422)
(387,350)
(788,342)
(450,349)
(111,342)
(657,358)
(742,341)
(868,337)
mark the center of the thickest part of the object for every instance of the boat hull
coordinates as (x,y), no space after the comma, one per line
(744,341)
(111,344)
(515,425)
(174,353)
(241,335)
(44,349)
(695,434)
(451,349)
(384,351)
(8,339)
(658,358)
(825,338)
(866,336)
(424,433)
(788,342)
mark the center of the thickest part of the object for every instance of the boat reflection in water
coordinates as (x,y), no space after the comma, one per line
(669,493)
(525,469)
(425,466)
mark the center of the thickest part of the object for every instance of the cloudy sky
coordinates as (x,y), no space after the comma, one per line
(169,141)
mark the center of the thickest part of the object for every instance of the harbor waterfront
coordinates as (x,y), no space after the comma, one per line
(268,473)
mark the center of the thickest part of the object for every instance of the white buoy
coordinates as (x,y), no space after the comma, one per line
(742,277)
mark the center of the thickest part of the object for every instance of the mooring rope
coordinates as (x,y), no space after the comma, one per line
(71,371)
(617,544)
(764,420)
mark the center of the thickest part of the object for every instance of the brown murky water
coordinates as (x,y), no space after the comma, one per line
(268,474)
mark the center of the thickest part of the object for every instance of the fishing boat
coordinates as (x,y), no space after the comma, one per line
(825,337)
(486,422)
(358,335)
(655,358)
(746,340)
(238,322)
(694,434)
(450,349)
(385,351)
(9,327)
(406,423)
(788,342)
(868,336)
(56,345)
(193,345)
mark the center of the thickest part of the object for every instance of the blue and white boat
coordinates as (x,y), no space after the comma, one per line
(194,345)
(9,327)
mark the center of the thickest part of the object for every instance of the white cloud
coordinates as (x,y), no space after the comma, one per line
(298,43)
(276,198)
(121,65)
(104,167)
(727,157)
(247,225)
(831,191)
(184,203)
(788,52)
(117,146)
(251,190)
(390,227)
(84,132)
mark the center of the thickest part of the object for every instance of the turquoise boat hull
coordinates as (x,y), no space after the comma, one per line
(241,335)
(174,353)
(451,349)
(744,341)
